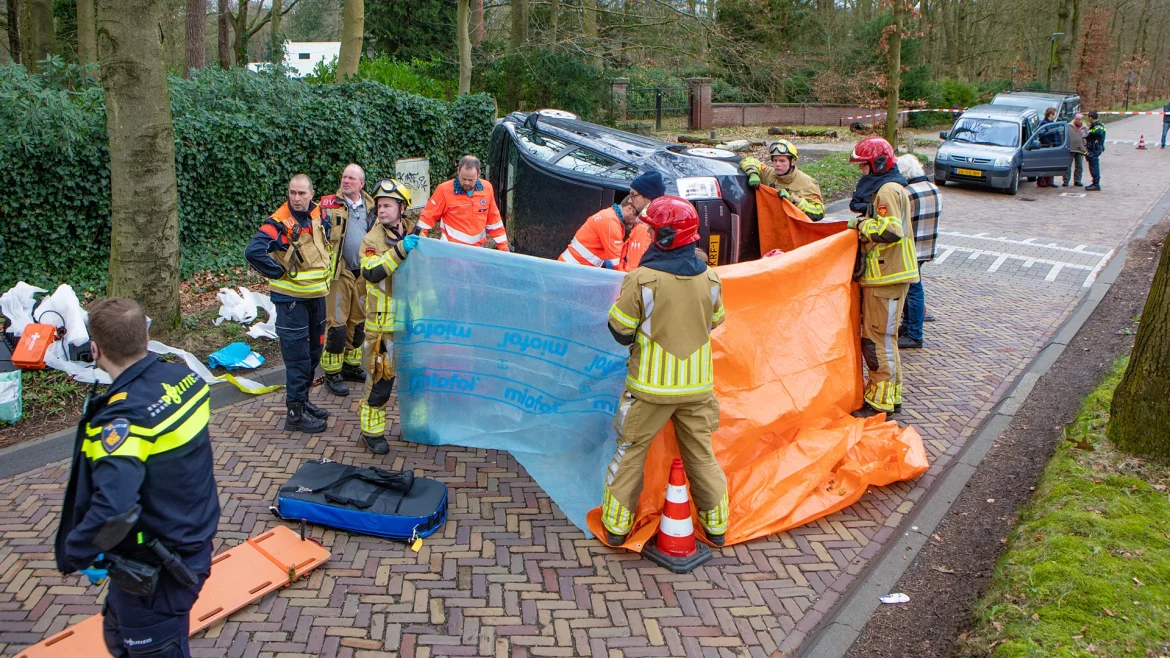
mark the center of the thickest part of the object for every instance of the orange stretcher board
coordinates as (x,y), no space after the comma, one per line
(239,576)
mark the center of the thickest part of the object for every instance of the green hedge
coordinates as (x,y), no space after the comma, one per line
(239,136)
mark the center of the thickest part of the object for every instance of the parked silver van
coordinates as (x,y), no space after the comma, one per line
(997,145)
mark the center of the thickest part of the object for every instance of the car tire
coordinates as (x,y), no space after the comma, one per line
(713,153)
(1013,185)
(941,182)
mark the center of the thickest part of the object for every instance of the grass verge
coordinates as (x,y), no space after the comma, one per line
(1087,569)
(834,173)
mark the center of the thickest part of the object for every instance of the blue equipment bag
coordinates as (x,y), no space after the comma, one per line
(368,501)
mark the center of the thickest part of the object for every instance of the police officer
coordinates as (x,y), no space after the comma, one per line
(142,497)
(293,250)
(383,250)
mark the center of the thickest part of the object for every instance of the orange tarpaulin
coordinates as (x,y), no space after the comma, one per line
(787,375)
(784,226)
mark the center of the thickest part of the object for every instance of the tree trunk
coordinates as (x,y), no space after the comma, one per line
(86,32)
(353,26)
(222,35)
(554,15)
(895,74)
(144,211)
(589,18)
(196,48)
(14,30)
(514,88)
(1066,44)
(1139,416)
(275,38)
(37,31)
(478,30)
(240,34)
(461,19)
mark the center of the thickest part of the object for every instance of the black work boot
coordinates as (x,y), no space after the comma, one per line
(353,373)
(336,385)
(1093,188)
(717,539)
(614,540)
(867,411)
(376,444)
(297,419)
(908,343)
(315,411)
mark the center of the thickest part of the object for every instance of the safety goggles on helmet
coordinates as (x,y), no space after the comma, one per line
(392,189)
(783,147)
(674,220)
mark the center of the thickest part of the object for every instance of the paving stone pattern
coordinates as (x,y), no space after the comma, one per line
(508,576)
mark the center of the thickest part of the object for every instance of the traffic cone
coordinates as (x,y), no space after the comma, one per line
(674,547)
(1142,143)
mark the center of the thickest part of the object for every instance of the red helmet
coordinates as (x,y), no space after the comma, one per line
(877,152)
(674,220)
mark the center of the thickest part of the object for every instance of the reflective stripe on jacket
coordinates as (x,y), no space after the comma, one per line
(464,218)
(803,190)
(889,247)
(671,317)
(598,240)
(271,252)
(382,253)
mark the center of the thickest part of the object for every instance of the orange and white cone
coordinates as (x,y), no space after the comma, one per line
(1141,143)
(674,547)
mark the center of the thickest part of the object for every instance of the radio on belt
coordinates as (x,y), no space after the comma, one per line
(34,344)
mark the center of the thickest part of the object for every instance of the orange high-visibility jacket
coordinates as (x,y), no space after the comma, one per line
(641,237)
(465,218)
(598,240)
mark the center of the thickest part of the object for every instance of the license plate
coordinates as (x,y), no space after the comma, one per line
(713,251)
(969,172)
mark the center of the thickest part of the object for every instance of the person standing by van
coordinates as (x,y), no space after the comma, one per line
(1095,146)
(1077,131)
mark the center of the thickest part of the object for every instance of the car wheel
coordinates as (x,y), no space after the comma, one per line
(941,182)
(1013,185)
(713,154)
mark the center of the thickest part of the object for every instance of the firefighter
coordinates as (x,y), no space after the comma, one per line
(350,212)
(141,507)
(665,313)
(465,209)
(292,249)
(383,250)
(783,176)
(599,241)
(891,265)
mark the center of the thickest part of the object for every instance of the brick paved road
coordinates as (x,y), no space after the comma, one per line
(509,576)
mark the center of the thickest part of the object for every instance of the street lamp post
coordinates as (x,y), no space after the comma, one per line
(1052,57)
(1128,82)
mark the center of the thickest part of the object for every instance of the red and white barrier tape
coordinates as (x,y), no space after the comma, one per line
(957,111)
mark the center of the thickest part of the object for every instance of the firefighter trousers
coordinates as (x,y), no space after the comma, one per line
(881,311)
(378,349)
(637,422)
(345,310)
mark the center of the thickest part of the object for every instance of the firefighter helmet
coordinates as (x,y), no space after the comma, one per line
(392,189)
(674,220)
(783,147)
(877,152)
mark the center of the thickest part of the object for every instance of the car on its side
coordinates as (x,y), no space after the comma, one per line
(551,171)
(1067,103)
(997,145)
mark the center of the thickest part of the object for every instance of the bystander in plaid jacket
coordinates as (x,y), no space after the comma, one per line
(926,206)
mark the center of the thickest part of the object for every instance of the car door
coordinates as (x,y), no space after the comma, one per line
(1046,153)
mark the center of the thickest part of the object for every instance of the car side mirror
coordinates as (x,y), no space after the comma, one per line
(943,135)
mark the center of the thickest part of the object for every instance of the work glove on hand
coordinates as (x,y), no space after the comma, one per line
(853,222)
(409,243)
(754,181)
(96,575)
(785,194)
(750,165)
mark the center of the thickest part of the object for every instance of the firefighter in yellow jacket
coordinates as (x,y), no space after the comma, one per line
(665,313)
(891,265)
(383,250)
(351,212)
(783,176)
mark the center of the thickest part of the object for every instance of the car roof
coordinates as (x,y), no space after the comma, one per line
(998,112)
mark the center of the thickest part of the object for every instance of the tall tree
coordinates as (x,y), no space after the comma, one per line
(515,85)
(462,17)
(589,18)
(353,27)
(223,35)
(14,30)
(478,29)
(1139,416)
(895,74)
(275,35)
(196,42)
(86,32)
(36,31)
(554,15)
(1069,15)
(144,209)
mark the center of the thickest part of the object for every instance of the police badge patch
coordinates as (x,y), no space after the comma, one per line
(114,434)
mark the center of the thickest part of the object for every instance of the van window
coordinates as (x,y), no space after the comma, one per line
(992,132)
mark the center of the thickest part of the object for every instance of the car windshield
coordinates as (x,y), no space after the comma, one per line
(1032,102)
(986,131)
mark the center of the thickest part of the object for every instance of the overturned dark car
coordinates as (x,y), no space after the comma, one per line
(551,171)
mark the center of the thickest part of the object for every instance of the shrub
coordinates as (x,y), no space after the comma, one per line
(239,136)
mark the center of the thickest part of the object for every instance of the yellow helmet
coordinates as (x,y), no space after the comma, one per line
(783,147)
(392,189)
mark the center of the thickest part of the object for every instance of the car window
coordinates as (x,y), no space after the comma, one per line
(1035,103)
(545,148)
(624,172)
(991,132)
(586,162)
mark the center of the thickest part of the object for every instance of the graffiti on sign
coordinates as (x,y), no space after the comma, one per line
(415,174)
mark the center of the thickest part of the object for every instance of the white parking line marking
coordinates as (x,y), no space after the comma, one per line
(1097,270)
(1054,272)
(1056,266)
(1079,249)
(998,261)
(945,254)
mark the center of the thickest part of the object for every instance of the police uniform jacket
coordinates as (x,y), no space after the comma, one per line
(146,442)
